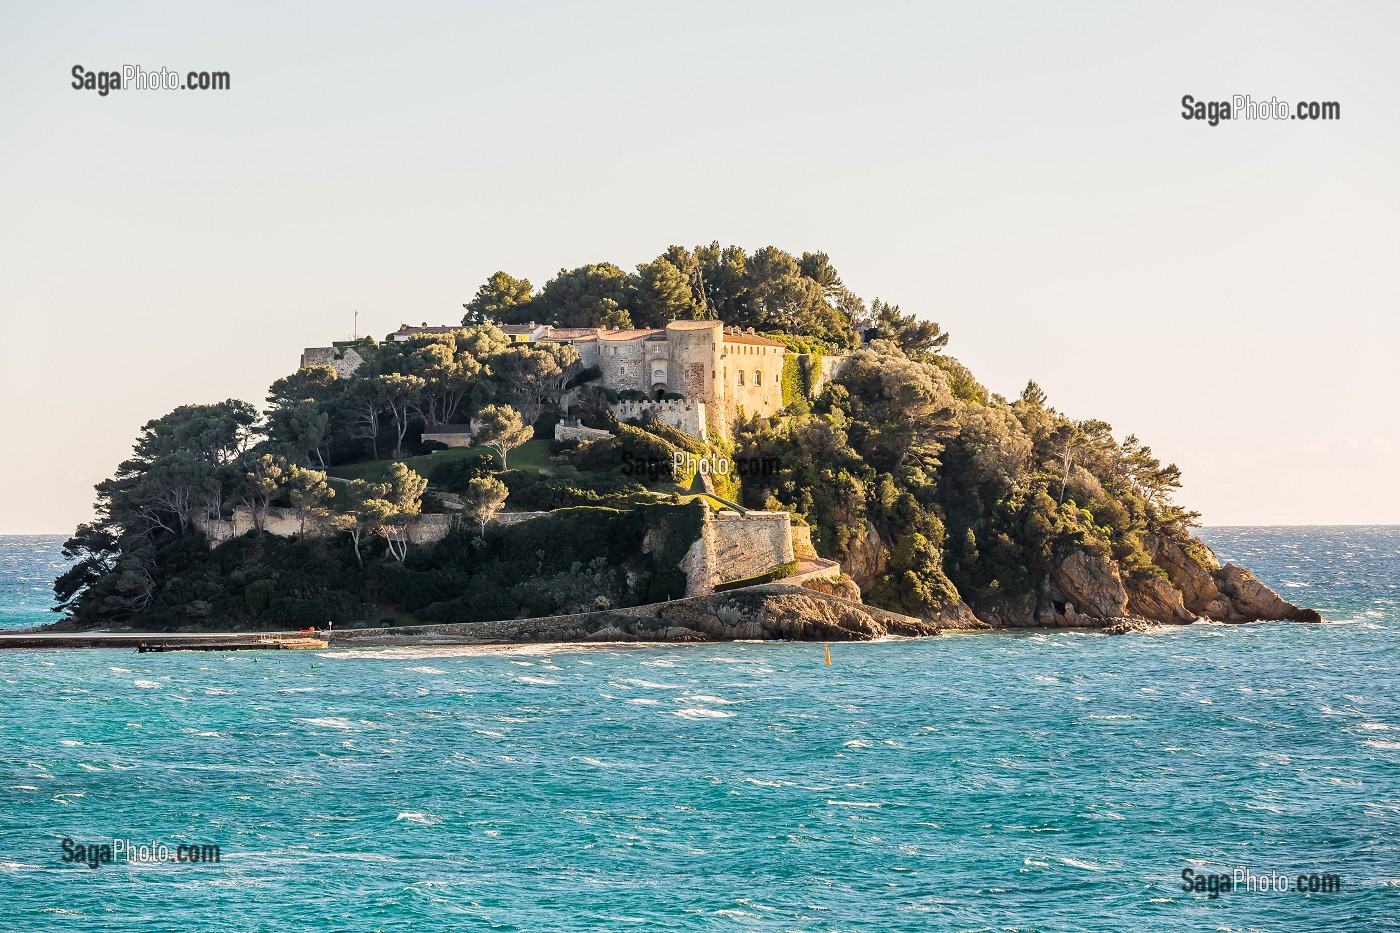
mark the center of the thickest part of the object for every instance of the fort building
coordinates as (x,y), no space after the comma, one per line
(697,376)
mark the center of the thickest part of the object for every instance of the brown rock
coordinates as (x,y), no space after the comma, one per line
(842,586)
(866,556)
(1192,575)
(1153,597)
(1091,583)
(1252,601)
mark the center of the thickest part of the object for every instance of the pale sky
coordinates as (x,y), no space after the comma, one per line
(1020,173)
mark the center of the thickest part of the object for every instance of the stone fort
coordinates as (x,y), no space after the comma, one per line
(697,376)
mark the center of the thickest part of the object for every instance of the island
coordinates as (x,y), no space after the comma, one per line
(722,444)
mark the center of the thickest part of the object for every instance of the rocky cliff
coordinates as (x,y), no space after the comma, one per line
(1185,584)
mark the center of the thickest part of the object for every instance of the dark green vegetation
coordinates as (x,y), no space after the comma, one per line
(908,461)
(767,289)
(925,485)
(777,573)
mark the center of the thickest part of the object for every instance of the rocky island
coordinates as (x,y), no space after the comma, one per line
(719,445)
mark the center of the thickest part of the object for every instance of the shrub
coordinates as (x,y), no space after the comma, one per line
(544,425)
(768,576)
(455,475)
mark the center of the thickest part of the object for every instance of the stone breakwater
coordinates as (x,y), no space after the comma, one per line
(774,611)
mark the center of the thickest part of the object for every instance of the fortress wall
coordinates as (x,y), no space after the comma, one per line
(830,369)
(694,353)
(802,542)
(285,523)
(748,544)
(689,417)
(344,362)
(737,546)
(762,389)
(563,432)
(449,438)
(623,365)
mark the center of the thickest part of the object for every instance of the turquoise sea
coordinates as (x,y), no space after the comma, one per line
(989,782)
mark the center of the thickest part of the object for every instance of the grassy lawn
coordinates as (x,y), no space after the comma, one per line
(532,456)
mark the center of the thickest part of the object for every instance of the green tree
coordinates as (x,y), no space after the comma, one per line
(596,295)
(386,508)
(918,339)
(401,394)
(309,492)
(399,505)
(366,399)
(502,298)
(533,375)
(484,497)
(262,478)
(500,429)
(663,293)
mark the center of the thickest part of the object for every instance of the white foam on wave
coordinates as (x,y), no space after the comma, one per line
(652,685)
(330,722)
(701,713)
(539,681)
(148,684)
(425,819)
(1376,743)
(854,803)
(427,670)
(69,742)
(702,698)
(1076,863)
(427,652)
(644,701)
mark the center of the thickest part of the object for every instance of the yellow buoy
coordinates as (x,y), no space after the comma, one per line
(828,653)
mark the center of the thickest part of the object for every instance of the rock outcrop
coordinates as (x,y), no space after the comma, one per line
(1087,589)
(866,557)
(1084,583)
(1248,600)
(1153,597)
(770,612)
(842,586)
(1192,574)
